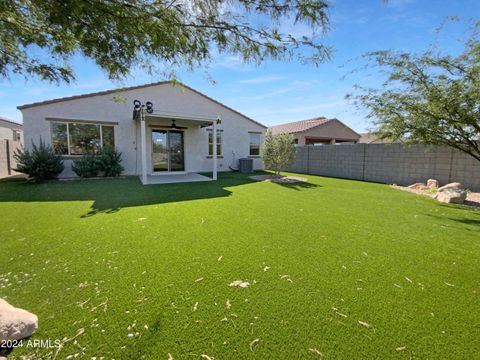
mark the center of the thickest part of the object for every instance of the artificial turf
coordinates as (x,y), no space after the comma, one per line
(337,269)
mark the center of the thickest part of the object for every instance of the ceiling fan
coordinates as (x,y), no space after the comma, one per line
(175,126)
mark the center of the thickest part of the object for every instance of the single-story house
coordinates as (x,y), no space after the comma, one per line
(318,131)
(160,128)
(10,130)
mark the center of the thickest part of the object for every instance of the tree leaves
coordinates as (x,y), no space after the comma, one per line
(122,35)
(428,98)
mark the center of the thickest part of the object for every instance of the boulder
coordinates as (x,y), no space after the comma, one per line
(454,186)
(432,183)
(418,186)
(451,196)
(15,323)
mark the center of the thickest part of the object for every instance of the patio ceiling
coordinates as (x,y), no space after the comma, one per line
(184,119)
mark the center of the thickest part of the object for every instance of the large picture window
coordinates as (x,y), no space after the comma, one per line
(219,143)
(255,141)
(78,139)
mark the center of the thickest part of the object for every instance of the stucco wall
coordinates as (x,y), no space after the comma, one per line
(389,163)
(6,130)
(165,98)
(330,130)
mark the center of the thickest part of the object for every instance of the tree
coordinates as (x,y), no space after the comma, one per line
(121,35)
(278,151)
(428,98)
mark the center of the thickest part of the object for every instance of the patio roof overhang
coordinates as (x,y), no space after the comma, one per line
(193,119)
(183,118)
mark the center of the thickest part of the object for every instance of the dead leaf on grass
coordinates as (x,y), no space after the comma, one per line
(253,343)
(363,323)
(206,357)
(239,283)
(228,304)
(401,348)
(315,351)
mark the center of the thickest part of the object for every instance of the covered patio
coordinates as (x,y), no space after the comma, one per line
(164,147)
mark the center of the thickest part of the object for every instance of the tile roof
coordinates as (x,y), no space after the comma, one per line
(299,126)
(367,138)
(107,92)
(10,121)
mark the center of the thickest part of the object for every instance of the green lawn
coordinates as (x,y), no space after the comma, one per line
(347,269)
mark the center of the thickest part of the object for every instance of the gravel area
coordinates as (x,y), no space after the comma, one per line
(473,199)
(278,178)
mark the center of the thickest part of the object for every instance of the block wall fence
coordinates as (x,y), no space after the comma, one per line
(388,163)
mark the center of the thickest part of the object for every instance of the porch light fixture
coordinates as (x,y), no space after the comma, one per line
(137,106)
(149,105)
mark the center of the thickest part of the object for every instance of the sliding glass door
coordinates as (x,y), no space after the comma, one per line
(167,150)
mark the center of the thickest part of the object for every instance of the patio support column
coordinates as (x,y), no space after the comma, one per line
(215,150)
(143,144)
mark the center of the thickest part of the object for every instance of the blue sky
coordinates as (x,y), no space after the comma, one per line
(278,92)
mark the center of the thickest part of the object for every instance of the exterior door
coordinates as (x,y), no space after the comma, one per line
(167,150)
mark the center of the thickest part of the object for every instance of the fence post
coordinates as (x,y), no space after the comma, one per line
(9,166)
(308,159)
(451,165)
(364,160)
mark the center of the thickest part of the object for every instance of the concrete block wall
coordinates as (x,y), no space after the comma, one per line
(388,163)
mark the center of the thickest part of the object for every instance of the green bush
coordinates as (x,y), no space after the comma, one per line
(86,166)
(109,162)
(42,163)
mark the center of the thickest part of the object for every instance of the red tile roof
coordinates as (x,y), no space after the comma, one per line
(299,126)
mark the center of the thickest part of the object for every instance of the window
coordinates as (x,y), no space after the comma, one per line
(255,141)
(219,143)
(16,135)
(79,139)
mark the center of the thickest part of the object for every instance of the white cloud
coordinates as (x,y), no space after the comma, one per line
(262,79)
(231,62)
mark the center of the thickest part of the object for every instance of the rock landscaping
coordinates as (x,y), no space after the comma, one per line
(15,323)
(452,193)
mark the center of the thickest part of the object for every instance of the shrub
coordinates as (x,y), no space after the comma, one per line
(42,163)
(109,162)
(278,151)
(86,166)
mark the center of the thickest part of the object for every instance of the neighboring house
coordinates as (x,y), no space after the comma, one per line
(318,131)
(11,130)
(11,140)
(175,138)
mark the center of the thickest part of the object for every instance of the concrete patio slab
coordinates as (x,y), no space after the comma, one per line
(175,178)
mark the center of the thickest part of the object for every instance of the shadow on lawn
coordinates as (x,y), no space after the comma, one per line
(298,185)
(473,219)
(110,195)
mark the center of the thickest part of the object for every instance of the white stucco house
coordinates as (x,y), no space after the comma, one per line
(170,133)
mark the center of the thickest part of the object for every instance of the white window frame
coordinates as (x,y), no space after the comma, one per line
(250,133)
(220,134)
(16,135)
